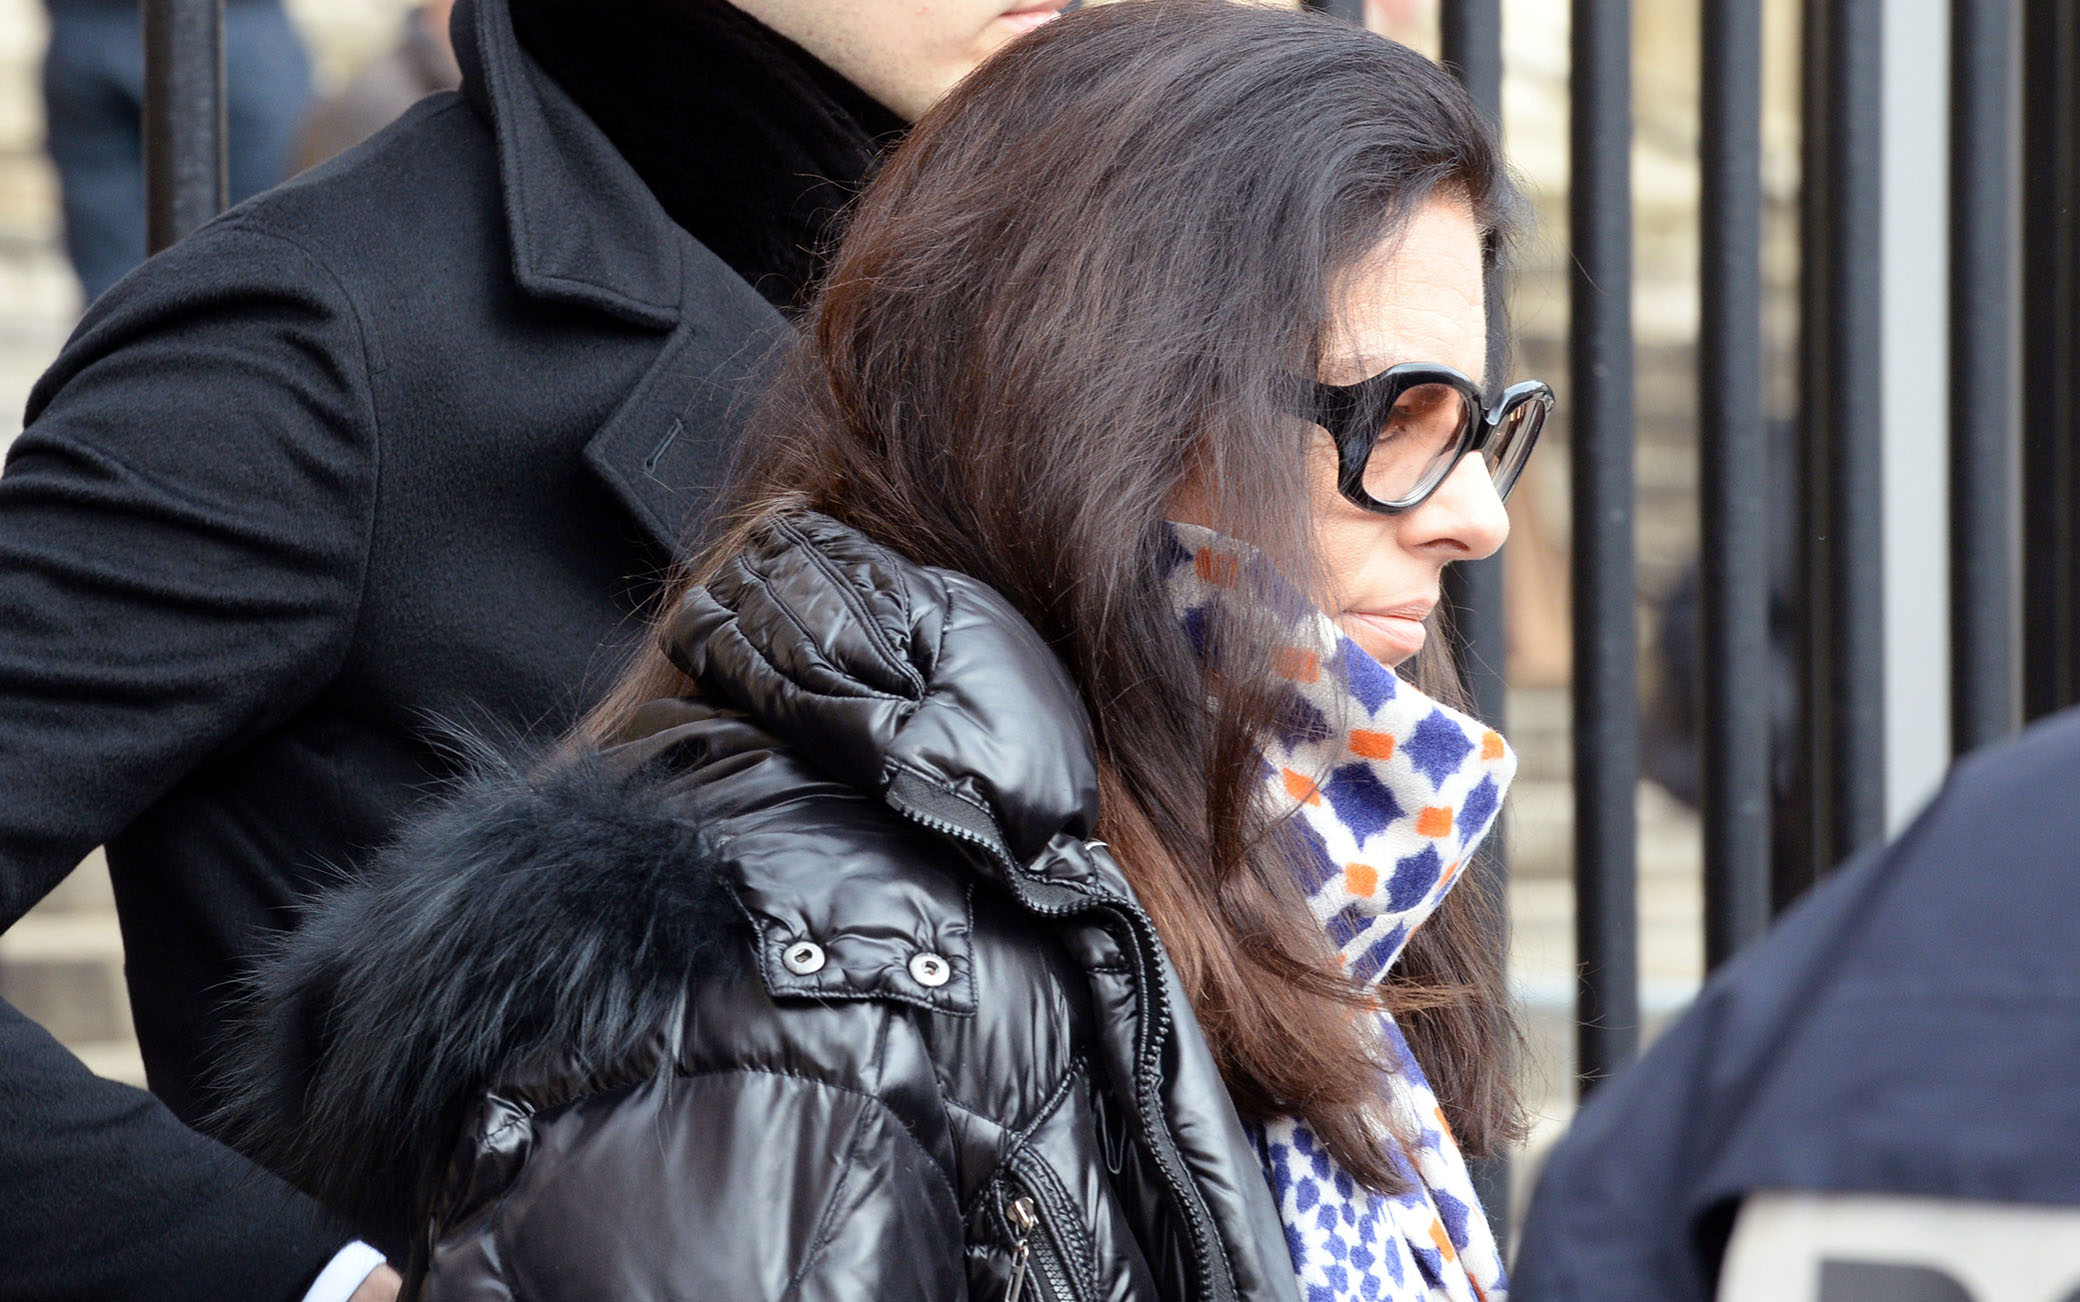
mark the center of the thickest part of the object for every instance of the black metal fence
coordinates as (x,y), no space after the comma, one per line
(2014,415)
(2014,470)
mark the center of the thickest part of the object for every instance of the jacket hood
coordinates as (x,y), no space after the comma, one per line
(881,670)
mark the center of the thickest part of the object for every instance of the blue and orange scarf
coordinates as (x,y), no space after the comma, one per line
(1390,795)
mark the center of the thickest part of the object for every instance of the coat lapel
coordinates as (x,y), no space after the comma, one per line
(586,231)
(665,451)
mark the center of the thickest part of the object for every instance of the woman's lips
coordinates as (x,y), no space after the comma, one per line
(1025,20)
(1390,636)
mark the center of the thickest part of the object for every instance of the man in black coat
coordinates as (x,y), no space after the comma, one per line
(399,446)
(1911,1028)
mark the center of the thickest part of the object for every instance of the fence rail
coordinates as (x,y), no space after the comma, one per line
(186,172)
(1606,650)
(2050,186)
(1985,405)
(1733,470)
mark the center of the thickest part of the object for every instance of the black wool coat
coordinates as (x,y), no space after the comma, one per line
(400,445)
(814,986)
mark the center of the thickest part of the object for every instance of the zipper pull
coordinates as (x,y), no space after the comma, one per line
(1023,1215)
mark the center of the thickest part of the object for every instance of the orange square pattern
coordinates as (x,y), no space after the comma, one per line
(1217,568)
(1298,663)
(1366,744)
(1302,788)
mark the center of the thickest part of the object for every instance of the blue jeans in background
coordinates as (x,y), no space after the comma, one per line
(93,94)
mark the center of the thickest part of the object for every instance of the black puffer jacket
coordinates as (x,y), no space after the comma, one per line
(838,1038)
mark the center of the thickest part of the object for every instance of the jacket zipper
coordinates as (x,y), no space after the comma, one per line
(1023,1217)
(1154,1023)
(1036,1271)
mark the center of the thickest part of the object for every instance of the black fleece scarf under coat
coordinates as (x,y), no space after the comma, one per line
(748,141)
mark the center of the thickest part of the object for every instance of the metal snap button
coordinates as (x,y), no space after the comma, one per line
(803,957)
(930,970)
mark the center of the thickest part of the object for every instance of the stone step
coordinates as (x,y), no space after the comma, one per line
(114,1060)
(62,966)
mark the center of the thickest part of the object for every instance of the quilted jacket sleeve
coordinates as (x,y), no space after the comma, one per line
(739,1184)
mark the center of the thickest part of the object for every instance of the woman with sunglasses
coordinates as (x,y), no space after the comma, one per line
(1037,859)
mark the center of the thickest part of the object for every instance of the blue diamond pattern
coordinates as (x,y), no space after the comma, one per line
(1312,863)
(1437,747)
(1300,723)
(1452,1212)
(1195,628)
(1347,925)
(1361,801)
(1413,879)
(1379,954)
(1478,810)
(1370,681)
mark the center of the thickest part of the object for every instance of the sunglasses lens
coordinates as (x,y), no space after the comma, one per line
(1417,437)
(1511,447)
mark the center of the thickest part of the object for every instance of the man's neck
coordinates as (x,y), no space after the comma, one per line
(745,138)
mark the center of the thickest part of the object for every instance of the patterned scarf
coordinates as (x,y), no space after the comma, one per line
(1392,794)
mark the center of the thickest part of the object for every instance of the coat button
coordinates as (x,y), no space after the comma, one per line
(930,970)
(803,957)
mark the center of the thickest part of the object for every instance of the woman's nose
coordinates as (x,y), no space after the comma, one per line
(1464,516)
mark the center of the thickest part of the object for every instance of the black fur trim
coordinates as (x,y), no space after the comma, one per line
(547,918)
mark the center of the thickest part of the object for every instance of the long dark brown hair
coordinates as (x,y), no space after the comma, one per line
(1078,286)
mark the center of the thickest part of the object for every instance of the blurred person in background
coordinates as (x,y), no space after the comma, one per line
(1672,721)
(93,100)
(1032,859)
(422,63)
(410,439)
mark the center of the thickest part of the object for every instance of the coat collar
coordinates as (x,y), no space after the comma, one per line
(746,139)
(584,227)
(585,230)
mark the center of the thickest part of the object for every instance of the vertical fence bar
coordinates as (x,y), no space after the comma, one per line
(1470,34)
(184,117)
(1985,405)
(2051,334)
(1472,49)
(1606,708)
(1735,551)
(1791,866)
(1843,785)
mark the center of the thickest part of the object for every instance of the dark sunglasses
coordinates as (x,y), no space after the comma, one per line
(1401,433)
